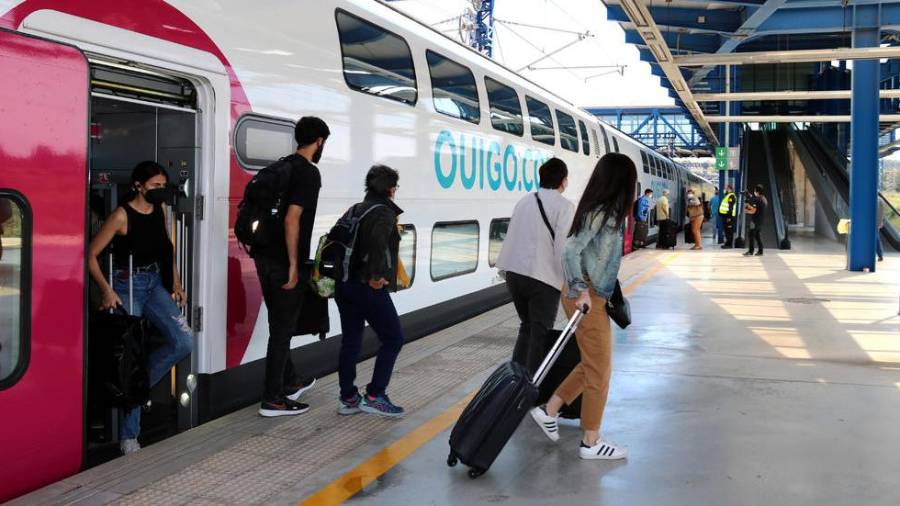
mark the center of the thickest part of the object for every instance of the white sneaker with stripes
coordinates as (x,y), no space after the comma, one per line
(603,450)
(547,423)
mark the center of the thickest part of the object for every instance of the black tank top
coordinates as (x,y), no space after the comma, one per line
(146,239)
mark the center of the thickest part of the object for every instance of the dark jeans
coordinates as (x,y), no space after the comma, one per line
(537,304)
(358,303)
(284,309)
(754,234)
(729,231)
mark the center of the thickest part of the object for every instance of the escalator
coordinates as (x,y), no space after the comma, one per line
(762,168)
(828,172)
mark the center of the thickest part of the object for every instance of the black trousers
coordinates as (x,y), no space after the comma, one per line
(729,230)
(284,310)
(537,304)
(754,233)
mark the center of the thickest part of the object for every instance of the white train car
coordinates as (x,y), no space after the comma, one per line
(211,90)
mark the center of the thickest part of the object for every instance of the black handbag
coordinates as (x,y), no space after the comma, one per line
(618,308)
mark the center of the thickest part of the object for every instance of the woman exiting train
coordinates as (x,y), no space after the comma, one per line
(137,230)
(591,265)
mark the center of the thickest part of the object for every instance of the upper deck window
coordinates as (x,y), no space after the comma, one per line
(568,132)
(541,121)
(644,162)
(605,139)
(506,110)
(585,142)
(454,89)
(376,61)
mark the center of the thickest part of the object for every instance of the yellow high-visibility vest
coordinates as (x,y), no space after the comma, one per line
(723,207)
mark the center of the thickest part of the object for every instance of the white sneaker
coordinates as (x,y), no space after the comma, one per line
(129,446)
(603,450)
(547,423)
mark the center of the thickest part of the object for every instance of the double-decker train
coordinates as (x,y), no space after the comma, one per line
(211,90)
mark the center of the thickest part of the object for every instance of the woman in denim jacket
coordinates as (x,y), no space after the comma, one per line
(591,264)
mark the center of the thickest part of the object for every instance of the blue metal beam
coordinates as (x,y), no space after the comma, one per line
(864,142)
(713,20)
(818,17)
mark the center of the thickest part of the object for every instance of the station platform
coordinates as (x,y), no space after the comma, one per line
(743,380)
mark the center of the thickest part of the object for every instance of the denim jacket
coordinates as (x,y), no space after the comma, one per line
(595,252)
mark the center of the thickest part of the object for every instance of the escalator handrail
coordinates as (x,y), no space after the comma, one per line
(780,229)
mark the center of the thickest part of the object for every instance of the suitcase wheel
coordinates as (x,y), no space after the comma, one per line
(474,472)
(452,460)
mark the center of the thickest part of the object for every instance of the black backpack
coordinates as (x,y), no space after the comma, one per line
(260,218)
(336,248)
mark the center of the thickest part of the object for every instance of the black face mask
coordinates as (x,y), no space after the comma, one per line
(157,196)
(318,154)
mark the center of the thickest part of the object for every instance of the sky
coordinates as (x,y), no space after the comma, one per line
(519,46)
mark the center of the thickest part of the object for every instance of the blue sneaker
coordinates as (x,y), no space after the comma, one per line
(381,405)
(349,406)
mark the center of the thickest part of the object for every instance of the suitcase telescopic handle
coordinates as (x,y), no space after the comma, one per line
(558,346)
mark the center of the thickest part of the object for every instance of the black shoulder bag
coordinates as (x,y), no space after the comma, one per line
(618,308)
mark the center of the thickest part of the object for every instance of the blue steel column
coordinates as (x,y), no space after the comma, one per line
(864,144)
(484,28)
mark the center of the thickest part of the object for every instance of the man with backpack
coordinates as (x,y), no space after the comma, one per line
(531,260)
(276,220)
(362,293)
(642,219)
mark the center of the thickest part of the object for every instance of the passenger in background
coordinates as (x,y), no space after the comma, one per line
(755,209)
(137,230)
(531,260)
(642,219)
(728,212)
(716,218)
(281,270)
(591,263)
(879,225)
(695,214)
(365,297)
(662,221)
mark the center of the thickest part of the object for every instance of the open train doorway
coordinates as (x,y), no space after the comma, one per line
(140,114)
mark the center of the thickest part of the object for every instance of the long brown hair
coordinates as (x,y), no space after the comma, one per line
(610,190)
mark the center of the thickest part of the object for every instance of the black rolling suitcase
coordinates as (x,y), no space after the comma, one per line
(640,234)
(493,415)
(668,235)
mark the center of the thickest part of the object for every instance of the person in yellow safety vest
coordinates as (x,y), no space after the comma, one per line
(728,212)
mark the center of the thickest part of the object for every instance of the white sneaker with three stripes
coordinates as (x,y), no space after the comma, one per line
(547,423)
(603,450)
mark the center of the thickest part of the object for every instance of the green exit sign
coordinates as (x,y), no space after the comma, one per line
(722,152)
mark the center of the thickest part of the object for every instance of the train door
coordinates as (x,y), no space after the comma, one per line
(140,114)
(43,161)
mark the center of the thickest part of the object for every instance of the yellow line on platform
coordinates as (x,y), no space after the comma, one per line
(362,475)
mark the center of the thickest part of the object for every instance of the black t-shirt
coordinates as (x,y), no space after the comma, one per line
(303,190)
(760,203)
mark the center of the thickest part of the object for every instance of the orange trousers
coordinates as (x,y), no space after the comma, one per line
(590,378)
(696,224)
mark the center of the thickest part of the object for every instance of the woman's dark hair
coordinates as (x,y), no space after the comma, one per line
(142,173)
(380,180)
(759,189)
(309,129)
(552,173)
(610,190)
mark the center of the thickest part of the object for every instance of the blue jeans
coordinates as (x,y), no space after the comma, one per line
(718,228)
(358,303)
(153,301)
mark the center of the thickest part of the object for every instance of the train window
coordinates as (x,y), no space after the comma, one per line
(615,144)
(454,249)
(497,235)
(605,139)
(407,252)
(644,162)
(568,133)
(585,143)
(671,171)
(453,87)
(15,252)
(506,110)
(376,61)
(654,170)
(259,140)
(541,121)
